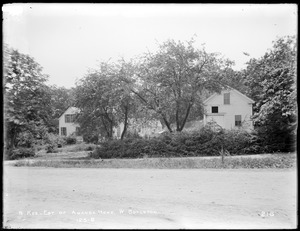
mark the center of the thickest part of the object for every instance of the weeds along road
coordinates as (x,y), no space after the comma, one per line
(149,198)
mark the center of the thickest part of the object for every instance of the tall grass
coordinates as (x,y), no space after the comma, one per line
(267,161)
(78,147)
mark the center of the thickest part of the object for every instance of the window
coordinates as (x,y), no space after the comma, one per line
(63,131)
(77,131)
(238,120)
(214,110)
(226,98)
(69,118)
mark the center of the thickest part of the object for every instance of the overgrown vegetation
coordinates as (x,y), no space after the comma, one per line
(271,82)
(205,142)
(70,139)
(20,153)
(233,162)
(53,142)
(169,85)
(78,147)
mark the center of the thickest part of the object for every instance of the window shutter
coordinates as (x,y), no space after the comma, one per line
(226,98)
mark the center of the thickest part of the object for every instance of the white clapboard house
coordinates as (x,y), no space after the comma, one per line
(230,109)
(67,124)
(150,128)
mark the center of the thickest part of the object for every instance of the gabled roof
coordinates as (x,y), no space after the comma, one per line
(246,97)
(231,89)
(67,110)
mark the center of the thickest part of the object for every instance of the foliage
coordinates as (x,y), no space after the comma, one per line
(271,83)
(132,135)
(19,153)
(26,101)
(71,139)
(205,142)
(174,81)
(103,101)
(55,139)
(90,138)
(51,148)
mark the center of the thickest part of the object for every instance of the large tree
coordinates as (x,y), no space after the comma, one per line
(103,101)
(174,81)
(271,83)
(26,97)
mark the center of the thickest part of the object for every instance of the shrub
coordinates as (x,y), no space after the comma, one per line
(132,135)
(20,153)
(25,139)
(88,138)
(53,142)
(237,141)
(89,148)
(70,139)
(60,141)
(208,141)
(51,148)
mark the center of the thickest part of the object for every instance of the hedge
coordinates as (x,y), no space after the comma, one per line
(20,153)
(205,142)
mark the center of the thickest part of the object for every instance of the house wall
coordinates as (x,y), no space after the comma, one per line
(71,127)
(150,129)
(226,116)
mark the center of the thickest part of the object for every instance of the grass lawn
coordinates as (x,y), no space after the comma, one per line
(74,156)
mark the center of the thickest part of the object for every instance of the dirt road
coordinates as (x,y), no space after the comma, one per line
(149,198)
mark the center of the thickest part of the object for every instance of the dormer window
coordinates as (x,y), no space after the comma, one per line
(227,98)
(70,118)
(214,109)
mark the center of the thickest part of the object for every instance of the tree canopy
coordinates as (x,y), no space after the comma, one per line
(168,85)
(270,81)
(103,101)
(174,81)
(27,98)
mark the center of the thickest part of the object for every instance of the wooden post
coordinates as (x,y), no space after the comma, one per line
(222,152)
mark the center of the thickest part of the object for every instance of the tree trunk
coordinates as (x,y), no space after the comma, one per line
(186,116)
(13,137)
(167,123)
(125,123)
(105,127)
(177,117)
(111,130)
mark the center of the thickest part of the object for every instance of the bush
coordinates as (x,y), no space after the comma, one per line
(53,142)
(25,139)
(205,142)
(20,153)
(132,135)
(88,138)
(51,148)
(70,139)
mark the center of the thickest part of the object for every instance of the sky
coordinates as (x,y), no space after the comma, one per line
(69,39)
